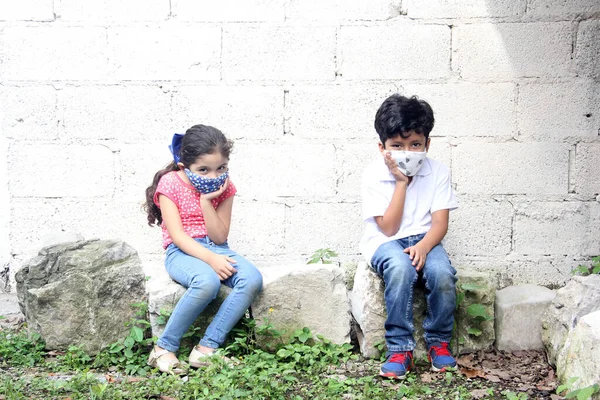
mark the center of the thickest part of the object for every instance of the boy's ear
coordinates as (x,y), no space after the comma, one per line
(181,166)
(427,144)
(381,146)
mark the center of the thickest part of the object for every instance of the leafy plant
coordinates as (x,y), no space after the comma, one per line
(324,256)
(514,396)
(18,348)
(476,312)
(585,270)
(584,393)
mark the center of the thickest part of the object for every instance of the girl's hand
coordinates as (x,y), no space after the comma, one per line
(393,167)
(217,193)
(417,254)
(222,266)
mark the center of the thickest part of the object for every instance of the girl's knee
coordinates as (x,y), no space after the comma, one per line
(207,284)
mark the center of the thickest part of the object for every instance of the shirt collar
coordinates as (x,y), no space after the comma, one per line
(384,174)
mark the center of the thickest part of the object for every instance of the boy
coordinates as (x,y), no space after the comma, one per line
(406,202)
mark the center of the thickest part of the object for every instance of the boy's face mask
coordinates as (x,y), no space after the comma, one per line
(204,184)
(409,162)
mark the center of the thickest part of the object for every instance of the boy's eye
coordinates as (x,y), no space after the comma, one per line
(202,170)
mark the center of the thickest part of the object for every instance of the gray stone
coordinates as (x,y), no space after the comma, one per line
(519,311)
(298,296)
(81,293)
(368,309)
(475,290)
(579,297)
(163,295)
(581,359)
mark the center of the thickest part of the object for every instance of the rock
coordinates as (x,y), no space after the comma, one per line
(368,309)
(163,295)
(476,293)
(579,297)
(519,309)
(298,296)
(581,359)
(81,293)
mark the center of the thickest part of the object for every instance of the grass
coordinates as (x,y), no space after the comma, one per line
(306,367)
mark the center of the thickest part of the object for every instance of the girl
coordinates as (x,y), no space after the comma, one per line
(192,199)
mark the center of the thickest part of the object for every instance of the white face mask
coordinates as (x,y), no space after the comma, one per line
(409,162)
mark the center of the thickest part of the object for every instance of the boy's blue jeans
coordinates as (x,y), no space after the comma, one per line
(400,277)
(203,285)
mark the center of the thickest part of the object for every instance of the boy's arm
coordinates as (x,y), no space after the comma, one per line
(389,222)
(439,227)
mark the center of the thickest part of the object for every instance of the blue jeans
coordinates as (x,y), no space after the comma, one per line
(203,285)
(400,277)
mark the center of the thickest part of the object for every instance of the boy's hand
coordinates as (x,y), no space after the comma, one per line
(393,167)
(216,193)
(222,266)
(418,255)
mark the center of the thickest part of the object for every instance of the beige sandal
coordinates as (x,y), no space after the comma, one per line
(199,359)
(157,360)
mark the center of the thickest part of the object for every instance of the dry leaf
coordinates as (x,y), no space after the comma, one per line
(479,393)
(472,373)
(492,378)
(426,377)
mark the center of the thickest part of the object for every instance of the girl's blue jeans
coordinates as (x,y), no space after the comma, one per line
(203,285)
(395,267)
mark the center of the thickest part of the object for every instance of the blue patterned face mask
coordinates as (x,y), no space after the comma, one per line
(206,185)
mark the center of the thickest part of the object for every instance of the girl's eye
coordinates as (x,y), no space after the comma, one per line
(203,170)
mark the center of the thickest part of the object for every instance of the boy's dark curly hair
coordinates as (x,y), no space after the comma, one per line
(399,115)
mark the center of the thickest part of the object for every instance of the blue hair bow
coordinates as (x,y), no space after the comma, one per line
(175,146)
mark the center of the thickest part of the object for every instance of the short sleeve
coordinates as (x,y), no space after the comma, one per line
(374,200)
(229,192)
(166,186)
(443,198)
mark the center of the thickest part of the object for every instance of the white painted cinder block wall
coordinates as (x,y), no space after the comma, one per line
(91,92)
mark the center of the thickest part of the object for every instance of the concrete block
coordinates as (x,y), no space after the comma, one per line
(298,296)
(332,10)
(148,53)
(241,112)
(60,171)
(29,112)
(519,310)
(582,360)
(335,111)
(53,53)
(508,168)
(130,114)
(587,52)
(137,164)
(480,228)
(554,112)
(586,174)
(114,10)
(417,51)
(562,9)
(548,228)
(468,109)
(337,226)
(276,53)
(287,170)
(27,10)
(513,50)
(257,228)
(235,11)
(351,161)
(463,10)
(551,271)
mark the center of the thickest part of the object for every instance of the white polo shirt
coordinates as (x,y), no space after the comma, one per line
(429,191)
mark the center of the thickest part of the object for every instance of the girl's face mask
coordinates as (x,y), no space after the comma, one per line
(204,184)
(409,162)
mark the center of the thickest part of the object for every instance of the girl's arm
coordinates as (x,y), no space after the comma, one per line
(217,221)
(170,214)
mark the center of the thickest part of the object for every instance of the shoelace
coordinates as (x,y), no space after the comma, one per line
(441,350)
(398,358)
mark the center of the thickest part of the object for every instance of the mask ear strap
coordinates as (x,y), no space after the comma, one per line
(175,147)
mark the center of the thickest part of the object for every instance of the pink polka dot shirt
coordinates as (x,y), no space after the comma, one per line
(187,199)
